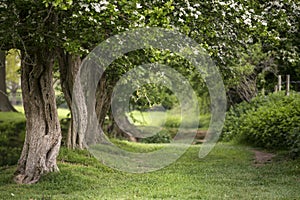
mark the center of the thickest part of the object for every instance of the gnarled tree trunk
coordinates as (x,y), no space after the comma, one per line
(68,67)
(103,104)
(5,105)
(103,98)
(43,133)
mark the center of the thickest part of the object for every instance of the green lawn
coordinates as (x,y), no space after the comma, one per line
(11,116)
(62,113)
(168,118)
(226,173)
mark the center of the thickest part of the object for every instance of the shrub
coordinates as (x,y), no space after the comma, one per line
(12,136)
(271,122)
(64,124)
(173,121)
(161,137)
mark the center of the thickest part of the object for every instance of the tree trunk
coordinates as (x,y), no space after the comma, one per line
(69,66)
(43,133)
(103,97)
(14,89)
(117,132)
(5,105)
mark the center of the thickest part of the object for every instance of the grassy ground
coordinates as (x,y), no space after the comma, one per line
(11,116)
(62,113)
(167,119)
(226,173)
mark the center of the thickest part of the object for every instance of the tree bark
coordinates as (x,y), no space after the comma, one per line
(68,68)
(5,105)
(103,97)
(43,133)
(14,88)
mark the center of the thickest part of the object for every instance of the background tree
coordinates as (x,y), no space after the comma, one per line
(13,65)
(5,105)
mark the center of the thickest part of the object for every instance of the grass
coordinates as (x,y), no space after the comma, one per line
(62,113)
(168,119)
(11,117)
(226,173)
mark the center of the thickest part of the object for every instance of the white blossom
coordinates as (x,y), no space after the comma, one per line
(247,21)
(191,8)
(264,23)
(277,38)
(104,2)
(244,17)
(97,9)
(223,13)
(233,5)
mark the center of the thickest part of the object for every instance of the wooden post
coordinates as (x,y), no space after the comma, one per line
(279,83)
(276,88)
(287,85)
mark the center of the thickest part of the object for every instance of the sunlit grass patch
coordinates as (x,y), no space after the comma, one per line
(169,119)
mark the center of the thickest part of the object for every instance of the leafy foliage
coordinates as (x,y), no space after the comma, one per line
(272,122)
(12,136)
(161,137)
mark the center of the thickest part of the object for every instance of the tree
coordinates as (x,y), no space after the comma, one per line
(12,73)
(5,105)
(27,26)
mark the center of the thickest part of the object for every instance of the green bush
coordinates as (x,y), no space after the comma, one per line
(271,122)
(64,125)
(12,136)
(173,121)
(161,137)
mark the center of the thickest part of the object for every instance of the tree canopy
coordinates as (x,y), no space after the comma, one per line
(251,43)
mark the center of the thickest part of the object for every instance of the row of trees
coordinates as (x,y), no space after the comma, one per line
(249,41)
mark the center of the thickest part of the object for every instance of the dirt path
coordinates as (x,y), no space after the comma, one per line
(262,158)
